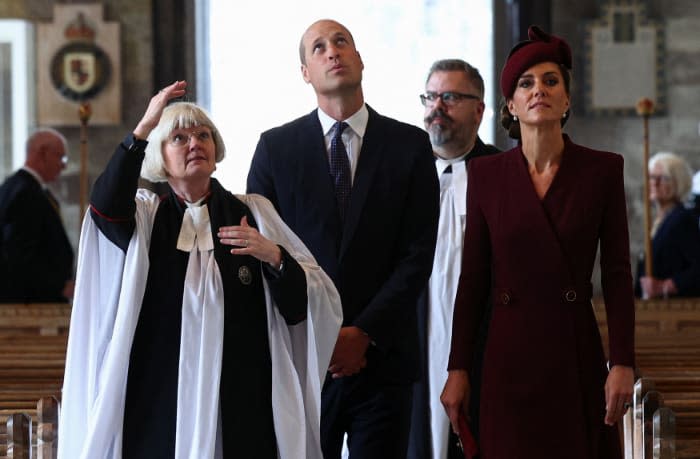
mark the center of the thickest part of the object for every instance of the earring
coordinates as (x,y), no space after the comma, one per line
(515,118)
(565,114)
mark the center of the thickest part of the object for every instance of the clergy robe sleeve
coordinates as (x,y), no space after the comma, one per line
(616,276)
(288,288)
(112,204)
(474,279)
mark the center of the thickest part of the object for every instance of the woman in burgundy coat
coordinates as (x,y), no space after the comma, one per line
(535,217)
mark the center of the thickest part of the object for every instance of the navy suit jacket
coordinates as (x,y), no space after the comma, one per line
(36,257)
(676,253)
(381,258)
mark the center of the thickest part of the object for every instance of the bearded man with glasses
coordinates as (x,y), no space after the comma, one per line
(454,108)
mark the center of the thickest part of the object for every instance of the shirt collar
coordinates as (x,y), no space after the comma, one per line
(357,121)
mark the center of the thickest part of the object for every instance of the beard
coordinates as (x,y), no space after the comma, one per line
(440,134)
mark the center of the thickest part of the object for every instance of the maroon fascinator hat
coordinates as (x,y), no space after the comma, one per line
(541,47)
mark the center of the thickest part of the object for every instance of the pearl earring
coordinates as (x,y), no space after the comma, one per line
(515,118)
(564,115)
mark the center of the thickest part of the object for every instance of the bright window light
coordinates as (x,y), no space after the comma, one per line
(256,81)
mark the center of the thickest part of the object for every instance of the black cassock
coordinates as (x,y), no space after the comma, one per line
(245,388)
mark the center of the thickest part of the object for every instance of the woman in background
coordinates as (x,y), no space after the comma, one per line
(675,236)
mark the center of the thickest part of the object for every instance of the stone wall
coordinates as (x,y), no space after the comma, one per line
(134,18)
(675,131)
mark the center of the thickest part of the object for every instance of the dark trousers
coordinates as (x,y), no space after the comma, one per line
(375,415)
(420,442)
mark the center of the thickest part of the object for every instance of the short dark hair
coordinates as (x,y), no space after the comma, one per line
(458,65)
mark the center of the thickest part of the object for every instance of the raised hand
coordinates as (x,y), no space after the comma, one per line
(155,108)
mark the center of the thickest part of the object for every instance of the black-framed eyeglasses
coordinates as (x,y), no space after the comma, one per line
(448,98)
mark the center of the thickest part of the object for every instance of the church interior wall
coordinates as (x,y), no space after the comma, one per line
(156,50)
(677,130)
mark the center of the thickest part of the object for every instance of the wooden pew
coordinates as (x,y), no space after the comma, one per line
(19,437)
(667,347)
(35,431)
(33,340)
(35,318)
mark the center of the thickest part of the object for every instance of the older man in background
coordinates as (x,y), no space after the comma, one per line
(36,257)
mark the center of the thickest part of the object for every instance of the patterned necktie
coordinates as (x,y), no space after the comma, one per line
(340,169)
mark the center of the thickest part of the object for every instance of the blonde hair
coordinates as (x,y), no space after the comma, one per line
(677,168)
(176,116)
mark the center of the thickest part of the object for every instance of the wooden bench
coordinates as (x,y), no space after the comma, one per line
(35,318)
(33,341)
(30,434)
(667,348)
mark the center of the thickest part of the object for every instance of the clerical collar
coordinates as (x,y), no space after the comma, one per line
(199,202)
(441,164)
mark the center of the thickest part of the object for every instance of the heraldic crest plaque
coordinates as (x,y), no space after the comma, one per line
(80,69)
(78,61)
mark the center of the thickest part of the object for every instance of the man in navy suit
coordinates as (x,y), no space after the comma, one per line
(36,257)
(360,190)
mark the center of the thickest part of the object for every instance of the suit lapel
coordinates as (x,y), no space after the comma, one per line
(370,157)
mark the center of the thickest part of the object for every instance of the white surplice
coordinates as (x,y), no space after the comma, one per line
(442,291)
(109,292)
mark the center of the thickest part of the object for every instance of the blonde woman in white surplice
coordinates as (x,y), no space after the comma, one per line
(202,327)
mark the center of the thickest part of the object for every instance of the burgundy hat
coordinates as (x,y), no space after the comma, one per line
(541,47)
